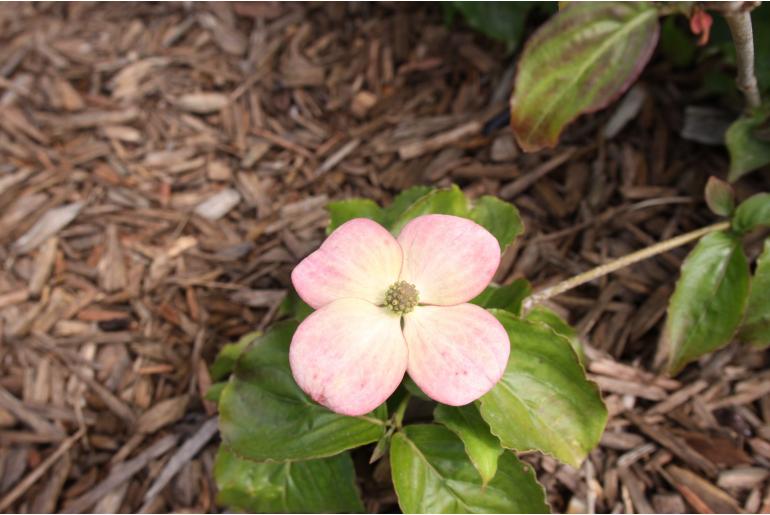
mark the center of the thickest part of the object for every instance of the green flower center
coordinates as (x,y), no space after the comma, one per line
(401,297)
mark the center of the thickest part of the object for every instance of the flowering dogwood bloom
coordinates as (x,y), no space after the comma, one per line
(386,306)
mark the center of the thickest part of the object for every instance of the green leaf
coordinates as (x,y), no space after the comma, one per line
(755,328)
(752,213)
(432,474)
(314,486)
(720,197)
(555,322)
(215,392)
(482,447)
(402,202)
(294,307)
(508,296)
(544,401)
(229,354)
(498,217)
(709,299)
(747,152)
(342,211)
(449,201)
(579,61)
(264,415)
(498,20)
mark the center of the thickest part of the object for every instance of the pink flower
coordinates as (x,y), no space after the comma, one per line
(387,306)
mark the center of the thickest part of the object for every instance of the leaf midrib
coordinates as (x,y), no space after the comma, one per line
(442,480)
(553,435)
(722,273)
(588,63)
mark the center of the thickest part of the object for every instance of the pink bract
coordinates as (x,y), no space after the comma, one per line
(352,352)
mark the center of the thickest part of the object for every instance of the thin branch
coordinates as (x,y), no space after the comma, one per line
(607,268)
(740,28)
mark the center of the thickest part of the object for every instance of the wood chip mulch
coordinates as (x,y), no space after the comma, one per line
(163,166)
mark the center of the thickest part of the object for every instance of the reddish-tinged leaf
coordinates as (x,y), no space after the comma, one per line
(578,62)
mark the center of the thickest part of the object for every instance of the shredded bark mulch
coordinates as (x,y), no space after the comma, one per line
(164,166)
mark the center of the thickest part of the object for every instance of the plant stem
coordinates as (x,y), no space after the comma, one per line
(740,28)
(607,268)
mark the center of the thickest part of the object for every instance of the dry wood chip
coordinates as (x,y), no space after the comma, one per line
(219,171)
(29,417)
(227,37)
(337,157)
(218,205)
(621,441)
(653,393)
(122,133)
(111,501)
(418,148)
(627,110)
(12,179)
(126,83)
(700,492)
(49,224)
(668,503)
(41,469)
(182,456)
(202,103)
(112,267)
(259,298)
(119,474)
(676,445)
(523,183)
(636,490)
(47,498)
(14,297)
(97,118)
(678,398)
(743,478)
(43,265)
(162,414)
(504,148)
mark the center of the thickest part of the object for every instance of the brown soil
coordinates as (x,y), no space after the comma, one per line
(163,167)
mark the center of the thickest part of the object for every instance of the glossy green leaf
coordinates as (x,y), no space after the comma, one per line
(482,447)
(544,401)
(752,213)
(747,152)
(264,415)
(498,217)
(314,486)
(508,296)
(403,201)
(342,211)
(558,324)
(709,299)
(755,328)
(450,201)
(229,354)
(432,474)
(579,61)
(720,197)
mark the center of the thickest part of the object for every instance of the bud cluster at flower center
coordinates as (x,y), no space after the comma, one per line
(401,297)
